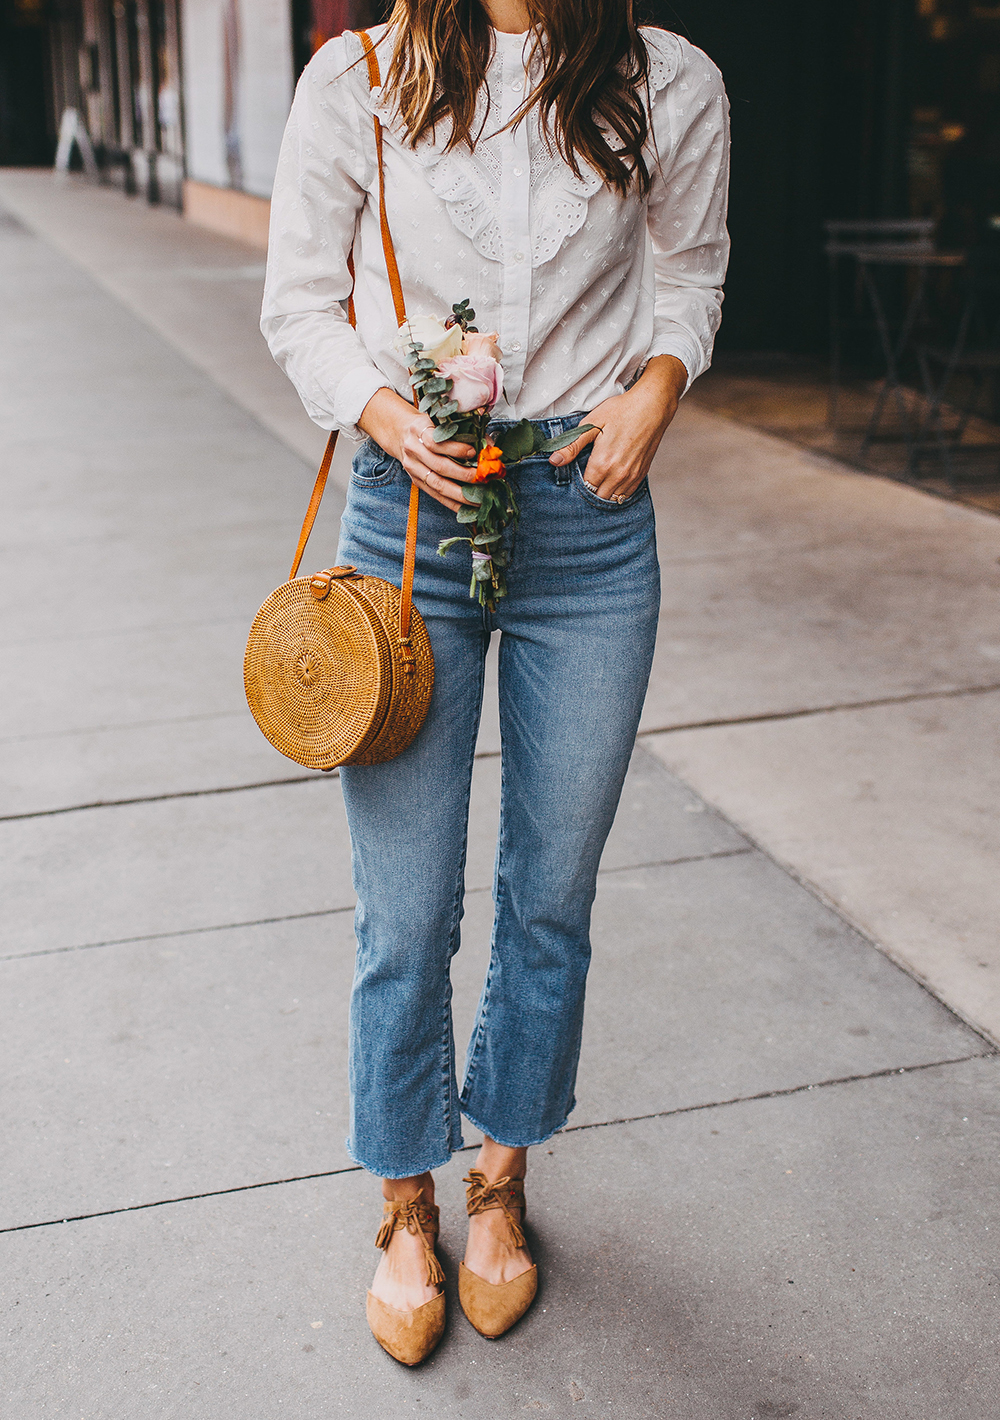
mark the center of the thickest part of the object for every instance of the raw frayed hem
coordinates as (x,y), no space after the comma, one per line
(405,1173)
(518,1143)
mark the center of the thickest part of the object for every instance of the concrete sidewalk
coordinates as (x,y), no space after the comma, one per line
(828,672)
(778,1194)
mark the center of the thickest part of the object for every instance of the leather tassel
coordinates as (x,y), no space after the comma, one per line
(515,1231)
(435,1272)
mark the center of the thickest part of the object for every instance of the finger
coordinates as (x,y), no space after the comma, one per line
(445,490)
(450,449)
(444,467)
(424,487)
(612,483)
(573,451)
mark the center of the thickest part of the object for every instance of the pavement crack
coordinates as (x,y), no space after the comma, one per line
(679,862)
(328,911)
(912,698)
(469,1148)
(314,775)
(183,932)
(781,1094)
(124,727)
(182,1198)
(162,798)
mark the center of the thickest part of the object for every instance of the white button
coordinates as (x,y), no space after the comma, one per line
(517,84)
(519,256)
(515,345)
(518,172)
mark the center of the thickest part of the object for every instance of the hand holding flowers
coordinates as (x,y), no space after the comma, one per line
(458,389)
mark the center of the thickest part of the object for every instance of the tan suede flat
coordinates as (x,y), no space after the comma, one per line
(494,1307)
(409,1336)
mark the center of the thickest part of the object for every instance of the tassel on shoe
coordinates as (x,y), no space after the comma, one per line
(409,1336)
(494,1307)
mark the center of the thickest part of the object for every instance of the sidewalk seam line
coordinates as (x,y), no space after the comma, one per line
(768,716)
(332,911)
(780,1094)
(865,932)
(128,725)
(161,798)
(571,1129)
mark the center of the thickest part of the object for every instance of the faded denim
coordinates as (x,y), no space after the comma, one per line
(576,643)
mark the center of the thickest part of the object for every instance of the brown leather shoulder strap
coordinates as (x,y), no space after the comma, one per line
(396,286)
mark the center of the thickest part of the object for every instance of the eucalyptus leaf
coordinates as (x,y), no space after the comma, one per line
(484,539)
(438,385)
(516,442)
(473,491)
(560,441)
(444,433)
(467,515)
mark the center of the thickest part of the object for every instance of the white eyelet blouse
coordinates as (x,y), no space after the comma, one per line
(583,285)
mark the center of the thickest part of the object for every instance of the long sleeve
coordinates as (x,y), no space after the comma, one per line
(319,190)
(687,210)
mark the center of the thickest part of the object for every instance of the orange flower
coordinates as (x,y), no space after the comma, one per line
(489,464)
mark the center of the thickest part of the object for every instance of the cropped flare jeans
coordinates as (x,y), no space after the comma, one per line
(577,630)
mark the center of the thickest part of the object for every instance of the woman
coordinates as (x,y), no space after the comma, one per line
(565,172)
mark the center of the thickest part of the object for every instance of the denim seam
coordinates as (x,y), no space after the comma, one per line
(447,1070)
(498,892)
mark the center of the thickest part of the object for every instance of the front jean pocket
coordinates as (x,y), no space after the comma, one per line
(373,467)
(610,504)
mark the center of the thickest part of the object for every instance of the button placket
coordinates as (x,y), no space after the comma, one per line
(514,212)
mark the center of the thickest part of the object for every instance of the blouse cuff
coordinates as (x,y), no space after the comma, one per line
(354,390)
(688,352)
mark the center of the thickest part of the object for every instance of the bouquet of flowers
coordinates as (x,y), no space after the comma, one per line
(457,379)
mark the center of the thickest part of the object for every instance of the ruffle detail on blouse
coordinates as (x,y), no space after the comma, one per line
(461,181)
(560,199)
(665,55)
(560,207)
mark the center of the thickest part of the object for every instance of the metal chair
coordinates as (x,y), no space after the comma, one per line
(845,238)
(975,352)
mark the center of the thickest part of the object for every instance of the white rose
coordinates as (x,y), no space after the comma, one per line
(439,343)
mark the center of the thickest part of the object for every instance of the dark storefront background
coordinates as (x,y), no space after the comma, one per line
(27,133)
(859,108)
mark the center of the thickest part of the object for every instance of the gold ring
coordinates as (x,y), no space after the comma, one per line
(591,486)
(620,497)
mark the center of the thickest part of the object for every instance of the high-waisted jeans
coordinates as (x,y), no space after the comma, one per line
(576,642)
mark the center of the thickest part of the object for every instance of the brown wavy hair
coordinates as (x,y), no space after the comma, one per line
(595,75)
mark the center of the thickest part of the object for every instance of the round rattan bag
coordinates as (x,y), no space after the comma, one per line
(329,678)
(339,668)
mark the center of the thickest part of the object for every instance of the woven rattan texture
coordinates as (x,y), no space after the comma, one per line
(411,693)
(324,679)
(317,673)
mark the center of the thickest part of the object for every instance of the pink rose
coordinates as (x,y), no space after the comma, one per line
(476,381)
(475,344)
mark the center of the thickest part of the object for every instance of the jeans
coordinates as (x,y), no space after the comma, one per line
(577,630)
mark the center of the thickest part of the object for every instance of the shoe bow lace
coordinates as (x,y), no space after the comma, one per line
(506,1193)
(416,1217)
